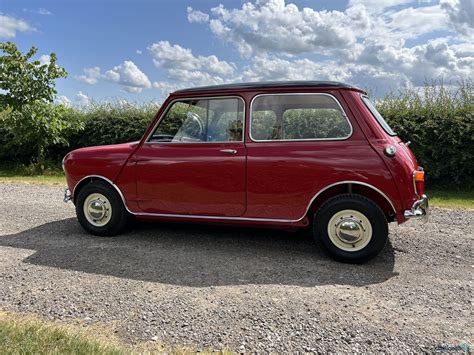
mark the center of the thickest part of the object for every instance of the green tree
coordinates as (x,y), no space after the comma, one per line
(26,99)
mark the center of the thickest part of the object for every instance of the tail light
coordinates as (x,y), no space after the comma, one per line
(419,179)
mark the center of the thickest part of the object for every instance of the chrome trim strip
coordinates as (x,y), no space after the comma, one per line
(350,182)
(197,98)
(304,139)
(254,219)
(73,195)
(221,218)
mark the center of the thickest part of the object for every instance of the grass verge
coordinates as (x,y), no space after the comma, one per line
(22,335)
(451,199)
(25,175)
(27,334)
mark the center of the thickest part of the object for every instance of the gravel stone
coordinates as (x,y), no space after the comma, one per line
(251,290)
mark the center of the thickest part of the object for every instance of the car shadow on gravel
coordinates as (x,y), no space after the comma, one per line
(196,255)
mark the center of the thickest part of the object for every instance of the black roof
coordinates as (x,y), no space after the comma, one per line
(270,84)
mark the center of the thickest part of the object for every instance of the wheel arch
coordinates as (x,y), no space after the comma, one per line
(355,187)
(90,178)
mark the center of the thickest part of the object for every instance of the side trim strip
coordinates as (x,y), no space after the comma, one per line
(250,219)
(350,182)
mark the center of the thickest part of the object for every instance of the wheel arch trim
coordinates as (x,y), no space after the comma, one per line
(354,182)
(99,177)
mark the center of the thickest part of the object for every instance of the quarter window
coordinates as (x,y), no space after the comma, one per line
(298,117)
(201,120)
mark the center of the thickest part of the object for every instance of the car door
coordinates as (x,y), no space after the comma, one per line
(193,163)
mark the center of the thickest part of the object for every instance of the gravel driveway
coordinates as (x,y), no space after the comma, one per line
(246,289)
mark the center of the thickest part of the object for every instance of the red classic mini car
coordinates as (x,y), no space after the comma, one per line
(276,154)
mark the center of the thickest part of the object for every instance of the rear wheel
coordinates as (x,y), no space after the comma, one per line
(351,228)
(100,210)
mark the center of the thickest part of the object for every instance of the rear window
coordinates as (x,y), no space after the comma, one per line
(298,117)
(378,116)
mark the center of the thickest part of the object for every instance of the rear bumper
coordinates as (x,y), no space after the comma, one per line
(420,209)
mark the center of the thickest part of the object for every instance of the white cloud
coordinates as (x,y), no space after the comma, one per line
(138,51)
(91,76)
(63,100)
(129,76)
(365,44)
(9,26)
(82,99)
(461,15)
(41,11)
(44,12)
(196,16)
(379,6)
(171,56)
(435,59)
(264,68)
(166,87)
(45,59)
(412,22)
(273,26)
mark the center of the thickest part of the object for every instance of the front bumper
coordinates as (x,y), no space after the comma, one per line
(67,195)
(420,209)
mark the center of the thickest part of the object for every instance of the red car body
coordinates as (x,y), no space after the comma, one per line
(272,183)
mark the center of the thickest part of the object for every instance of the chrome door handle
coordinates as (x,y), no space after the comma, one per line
(228,151)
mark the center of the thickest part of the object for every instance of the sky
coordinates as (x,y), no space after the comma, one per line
(141,50)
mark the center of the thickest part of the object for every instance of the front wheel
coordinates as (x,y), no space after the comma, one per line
(100,209)
(351,228)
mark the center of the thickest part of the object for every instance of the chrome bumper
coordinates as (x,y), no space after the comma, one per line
(67,195)
(420,209)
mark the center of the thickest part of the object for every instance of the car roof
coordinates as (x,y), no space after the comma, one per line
(270,85)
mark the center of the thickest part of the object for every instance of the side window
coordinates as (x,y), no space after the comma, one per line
(263,125)
(298,117)
(206,120)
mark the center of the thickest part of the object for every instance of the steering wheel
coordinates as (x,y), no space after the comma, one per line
(193,125)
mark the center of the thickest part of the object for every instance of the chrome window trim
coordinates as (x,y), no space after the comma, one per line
(197,98)
(249,219)
(366,98)
(302,139)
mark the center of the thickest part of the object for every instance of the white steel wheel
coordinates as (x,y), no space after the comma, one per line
(349,230)
(97,209)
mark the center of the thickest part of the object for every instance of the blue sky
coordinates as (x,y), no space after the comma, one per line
(141,50)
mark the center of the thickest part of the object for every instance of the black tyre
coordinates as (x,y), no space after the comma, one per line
(100,210)
(351,228)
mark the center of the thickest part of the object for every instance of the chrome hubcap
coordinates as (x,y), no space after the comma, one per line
(349,230)
(97,209)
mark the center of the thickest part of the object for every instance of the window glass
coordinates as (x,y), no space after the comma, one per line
(298,117)
(378,116)
(207,120)
(263,124)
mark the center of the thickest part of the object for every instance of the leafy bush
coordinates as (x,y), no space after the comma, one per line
(107,123)
(438,120)
(27,90)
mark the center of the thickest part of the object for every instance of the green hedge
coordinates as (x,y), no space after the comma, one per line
(437,120)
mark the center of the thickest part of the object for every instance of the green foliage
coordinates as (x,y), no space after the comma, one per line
(28,117)
(109,123)
(36,127)
(438,120)
(23,81)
